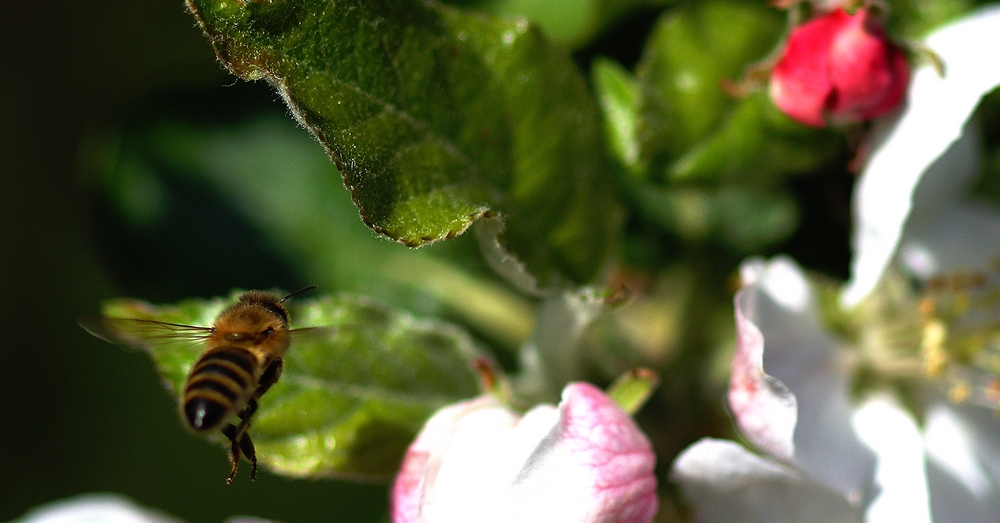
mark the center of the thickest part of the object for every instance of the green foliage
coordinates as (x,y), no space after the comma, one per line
(435,118)
(693,50)
(570,21)
(261,174)
(703,161)
(631,390)
(351,398)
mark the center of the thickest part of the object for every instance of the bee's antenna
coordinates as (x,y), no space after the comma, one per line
(296,293)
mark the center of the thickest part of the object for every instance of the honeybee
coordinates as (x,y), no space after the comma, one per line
(242,360)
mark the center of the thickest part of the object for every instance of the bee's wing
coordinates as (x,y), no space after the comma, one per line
(143,334)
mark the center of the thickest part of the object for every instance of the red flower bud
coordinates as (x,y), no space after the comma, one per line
(839,67)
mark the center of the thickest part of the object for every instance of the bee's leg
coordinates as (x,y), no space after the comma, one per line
(270,377)
(238,435)
(234,450)
(246,445)
(267,379)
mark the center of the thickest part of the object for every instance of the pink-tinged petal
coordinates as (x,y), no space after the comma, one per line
(905,148)
(447,456)
(726,483)
(788,391)
(583,461)
(598,460)
(762,406)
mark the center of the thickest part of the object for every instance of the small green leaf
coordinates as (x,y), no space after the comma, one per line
(618,95)
(436,117)
(632,389)
(349,401)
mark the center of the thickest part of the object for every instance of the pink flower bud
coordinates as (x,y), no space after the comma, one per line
(583,461)
(839,67)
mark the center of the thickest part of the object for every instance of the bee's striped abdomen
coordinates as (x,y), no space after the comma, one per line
(218,386)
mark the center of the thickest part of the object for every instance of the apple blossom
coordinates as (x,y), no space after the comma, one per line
(825,456)
(821,452)
(839,67)
(583,461)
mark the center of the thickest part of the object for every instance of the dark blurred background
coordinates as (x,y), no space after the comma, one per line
(79,415)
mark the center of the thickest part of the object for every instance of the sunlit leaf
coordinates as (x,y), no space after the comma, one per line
(307,221)
(349,401)
(436,117)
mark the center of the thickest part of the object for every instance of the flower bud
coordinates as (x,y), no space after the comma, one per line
(583,461)
(840,68)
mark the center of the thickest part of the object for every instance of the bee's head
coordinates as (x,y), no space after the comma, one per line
(254,318)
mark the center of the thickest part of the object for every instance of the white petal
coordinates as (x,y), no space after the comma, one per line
(937,109)
(552,357)
(966,237)
(963,463)
(89,508)
(727,483)
(894,436)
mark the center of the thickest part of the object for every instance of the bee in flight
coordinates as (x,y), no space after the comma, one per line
(242,360)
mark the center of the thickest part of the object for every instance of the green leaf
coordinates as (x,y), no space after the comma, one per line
(435,118)
(632,389)
(350,400)
(570,21)
(747,218)
(311,222)
(756,143)
(618,95)
(692,52)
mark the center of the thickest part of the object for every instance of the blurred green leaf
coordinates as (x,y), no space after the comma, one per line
(435,118)
(913,20)
(745,218)
(693,50)
(632,389)
(570,21)
(350,401)
(756,143)
(618,95)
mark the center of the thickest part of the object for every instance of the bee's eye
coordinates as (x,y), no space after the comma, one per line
(268,331)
